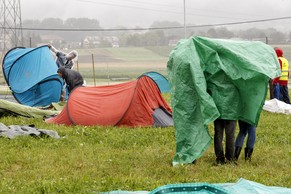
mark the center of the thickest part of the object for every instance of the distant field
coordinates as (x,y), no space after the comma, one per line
(128,62)
(112,63)
(128,54)
(118,63)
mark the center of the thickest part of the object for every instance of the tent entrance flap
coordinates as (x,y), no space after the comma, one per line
(162,118)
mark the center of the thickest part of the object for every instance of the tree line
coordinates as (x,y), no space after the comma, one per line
(173,31)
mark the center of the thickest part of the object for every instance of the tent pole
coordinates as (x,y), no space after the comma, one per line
(185,20)
(78,66)
(93,69)
(271,88)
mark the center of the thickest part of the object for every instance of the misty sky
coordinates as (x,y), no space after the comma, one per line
(142,13)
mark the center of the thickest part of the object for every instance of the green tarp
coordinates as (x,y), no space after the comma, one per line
(216,78)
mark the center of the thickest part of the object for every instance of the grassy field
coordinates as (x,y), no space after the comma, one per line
(96,159)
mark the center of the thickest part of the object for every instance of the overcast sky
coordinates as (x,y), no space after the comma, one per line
(142,13)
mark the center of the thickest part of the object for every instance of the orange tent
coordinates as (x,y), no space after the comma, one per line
(135,103)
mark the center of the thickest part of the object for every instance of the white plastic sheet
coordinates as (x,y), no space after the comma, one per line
(277,106)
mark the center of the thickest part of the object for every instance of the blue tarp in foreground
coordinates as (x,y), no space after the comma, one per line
(242,186)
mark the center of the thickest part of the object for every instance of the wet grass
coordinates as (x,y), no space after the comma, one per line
(94,159)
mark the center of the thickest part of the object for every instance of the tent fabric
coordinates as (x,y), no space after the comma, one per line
(160,80)
(162,118)
(216,78)
(127,104)
(7,107)
(31,74)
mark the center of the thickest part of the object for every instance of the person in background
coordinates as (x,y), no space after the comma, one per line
(245,129)
(72,78)
(222,126)
(282,81)
(64,59)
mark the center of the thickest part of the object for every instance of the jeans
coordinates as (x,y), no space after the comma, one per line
(221,126)
(246,129)
(276,91)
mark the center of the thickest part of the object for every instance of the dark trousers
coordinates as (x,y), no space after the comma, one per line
(222,126)
(284,94)
(271,87)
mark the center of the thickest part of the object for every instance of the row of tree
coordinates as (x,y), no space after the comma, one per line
(168,31)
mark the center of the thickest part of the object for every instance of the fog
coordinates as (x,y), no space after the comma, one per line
(142,13)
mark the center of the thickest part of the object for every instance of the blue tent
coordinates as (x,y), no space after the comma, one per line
(31,74)
(160,80)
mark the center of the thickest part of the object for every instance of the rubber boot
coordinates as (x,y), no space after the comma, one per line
(248,154)
(237,152)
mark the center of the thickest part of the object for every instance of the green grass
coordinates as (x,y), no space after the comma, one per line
(94,159)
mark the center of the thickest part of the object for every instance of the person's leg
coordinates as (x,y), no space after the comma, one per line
(285,95)
(218,137)
(251,136)
(271,89)
(250,142)
(230,138)
(240,138)
(241,134)
(276,91)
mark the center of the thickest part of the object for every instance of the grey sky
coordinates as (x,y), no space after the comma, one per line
(142,13)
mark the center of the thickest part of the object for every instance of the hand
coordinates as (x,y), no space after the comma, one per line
(62,99)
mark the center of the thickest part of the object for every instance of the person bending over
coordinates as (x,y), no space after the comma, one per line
(72,78)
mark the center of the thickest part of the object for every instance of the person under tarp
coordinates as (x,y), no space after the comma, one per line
(225,68)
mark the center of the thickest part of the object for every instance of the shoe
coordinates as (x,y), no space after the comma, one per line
(220,161)
(248,154)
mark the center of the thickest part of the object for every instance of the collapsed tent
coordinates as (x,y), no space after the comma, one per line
(31,74)
(7,108)
(160,80)
(135,103)
(215,78)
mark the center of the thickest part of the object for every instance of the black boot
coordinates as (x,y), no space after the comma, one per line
(237,152)
(220,161)
(248,154)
